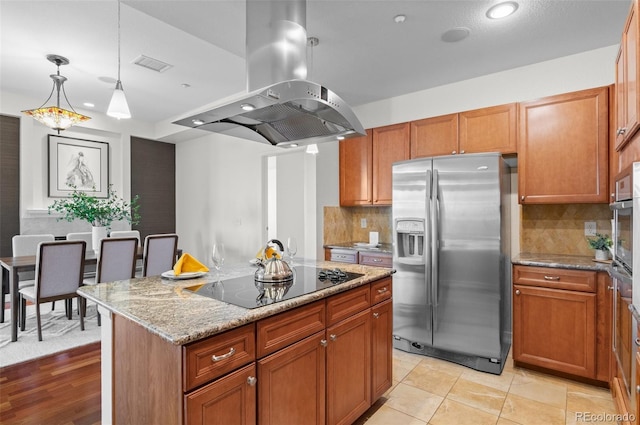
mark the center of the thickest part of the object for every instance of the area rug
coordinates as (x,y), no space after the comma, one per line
(58,333)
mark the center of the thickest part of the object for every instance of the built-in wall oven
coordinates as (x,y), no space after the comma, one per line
(625,342)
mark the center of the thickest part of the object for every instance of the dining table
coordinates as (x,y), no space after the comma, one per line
(11,266)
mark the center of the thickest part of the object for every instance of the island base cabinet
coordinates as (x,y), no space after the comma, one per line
(291,386)
(381,349)
(349,369)
(230,400)
(555,329)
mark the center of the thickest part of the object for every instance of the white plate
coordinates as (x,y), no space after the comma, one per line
(186,275)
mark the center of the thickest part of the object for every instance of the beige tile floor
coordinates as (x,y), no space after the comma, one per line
(436,392)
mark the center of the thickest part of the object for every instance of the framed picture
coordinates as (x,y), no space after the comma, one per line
(79,163)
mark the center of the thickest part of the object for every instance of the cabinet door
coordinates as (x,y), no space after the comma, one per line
(228,401)
(291,386)
(621,97)
(381,348)
(604,327)
(563,148)
(390,144)
(355,171)
(488,130)
(555,329)
(628,117)
(349,369)
(434,136)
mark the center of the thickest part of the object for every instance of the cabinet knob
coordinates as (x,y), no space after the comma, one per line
(613,195)
(224,356)
(333,337)
(453,152)
(638,342)
(517,292)
(462,151)
(252,380)
(555,278)
(382,290)
(376,315)
(522,198)
(323,342)
(610,288)
(638,389)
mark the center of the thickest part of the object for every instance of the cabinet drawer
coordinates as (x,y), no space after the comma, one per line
(375,259)
(547,277)
(220,354)
(344,255)
(380,290)
(342,306)
(284,329)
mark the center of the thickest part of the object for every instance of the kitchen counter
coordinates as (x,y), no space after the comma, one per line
(575,262)
(164,308)
(385,248)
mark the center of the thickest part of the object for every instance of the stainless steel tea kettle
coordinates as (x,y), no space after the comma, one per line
(273,270)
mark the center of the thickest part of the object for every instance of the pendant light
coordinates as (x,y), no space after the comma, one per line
(118,107)
(53,116)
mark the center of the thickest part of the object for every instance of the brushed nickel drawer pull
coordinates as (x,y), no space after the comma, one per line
(552,278)
(323,342)
(376,260)
(224,356)
(333,337)
(383,290)
(376,315)
(252,380)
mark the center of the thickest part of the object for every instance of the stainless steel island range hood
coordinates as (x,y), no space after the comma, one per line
(282,108)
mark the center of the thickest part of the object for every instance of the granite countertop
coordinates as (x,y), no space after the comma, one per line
(562,261)
(384,248)
(162,306)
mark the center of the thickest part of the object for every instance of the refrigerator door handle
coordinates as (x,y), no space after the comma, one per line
(426,239)
(434,222)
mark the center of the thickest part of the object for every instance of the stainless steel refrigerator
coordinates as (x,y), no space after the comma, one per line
(452,297)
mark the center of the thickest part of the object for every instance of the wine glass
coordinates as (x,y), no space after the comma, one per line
(292,248)
(217,256)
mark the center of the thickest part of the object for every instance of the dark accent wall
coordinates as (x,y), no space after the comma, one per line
(9,182)
(153,177)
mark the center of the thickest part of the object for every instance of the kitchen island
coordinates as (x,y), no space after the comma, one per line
(172,356)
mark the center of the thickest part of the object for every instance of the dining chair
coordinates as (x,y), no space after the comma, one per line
(23,245)
(90,270)
(159,253)
(130,234)
(59,273)
(117,261)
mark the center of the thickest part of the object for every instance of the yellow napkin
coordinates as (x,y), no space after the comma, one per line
(187,264)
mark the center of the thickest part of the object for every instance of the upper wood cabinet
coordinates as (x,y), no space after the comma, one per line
(627,95)
(490,129)
(365,164)
(563,148)
(390,144)
(356,180)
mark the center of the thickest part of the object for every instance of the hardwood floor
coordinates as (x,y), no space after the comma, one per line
(62,388)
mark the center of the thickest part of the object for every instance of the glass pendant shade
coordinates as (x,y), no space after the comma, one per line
(56,118)
(118,107)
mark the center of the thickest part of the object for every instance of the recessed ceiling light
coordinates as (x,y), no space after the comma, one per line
(293,145)
(340,137)
(455,34)
(247,107)
(185,85)
(399,19)
(89,105)
(197,122)
(502,10)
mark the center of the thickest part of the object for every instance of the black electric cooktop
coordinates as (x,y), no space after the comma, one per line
(243,292)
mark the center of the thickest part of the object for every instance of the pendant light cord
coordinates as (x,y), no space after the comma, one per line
(118,40)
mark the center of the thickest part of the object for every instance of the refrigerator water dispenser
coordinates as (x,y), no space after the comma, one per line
(410,238)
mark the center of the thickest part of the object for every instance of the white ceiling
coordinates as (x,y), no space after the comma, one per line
(363,55)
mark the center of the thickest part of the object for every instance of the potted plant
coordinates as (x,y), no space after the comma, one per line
(601,243)
(100,213)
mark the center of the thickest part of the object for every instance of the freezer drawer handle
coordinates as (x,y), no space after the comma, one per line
(224,356)
(552,278)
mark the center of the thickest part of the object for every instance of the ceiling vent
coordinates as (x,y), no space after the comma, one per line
(151,63)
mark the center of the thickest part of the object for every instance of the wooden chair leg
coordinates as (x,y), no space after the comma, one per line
(82,305)
(38,321)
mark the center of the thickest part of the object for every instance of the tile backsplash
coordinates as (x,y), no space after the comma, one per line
(344,224)
(559,229)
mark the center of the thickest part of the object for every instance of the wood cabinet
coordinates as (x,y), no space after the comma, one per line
(365,164)
(490,129)
(382,348)
(627,95)
(356,171)
(563,148)
(378,259)
(562,321)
